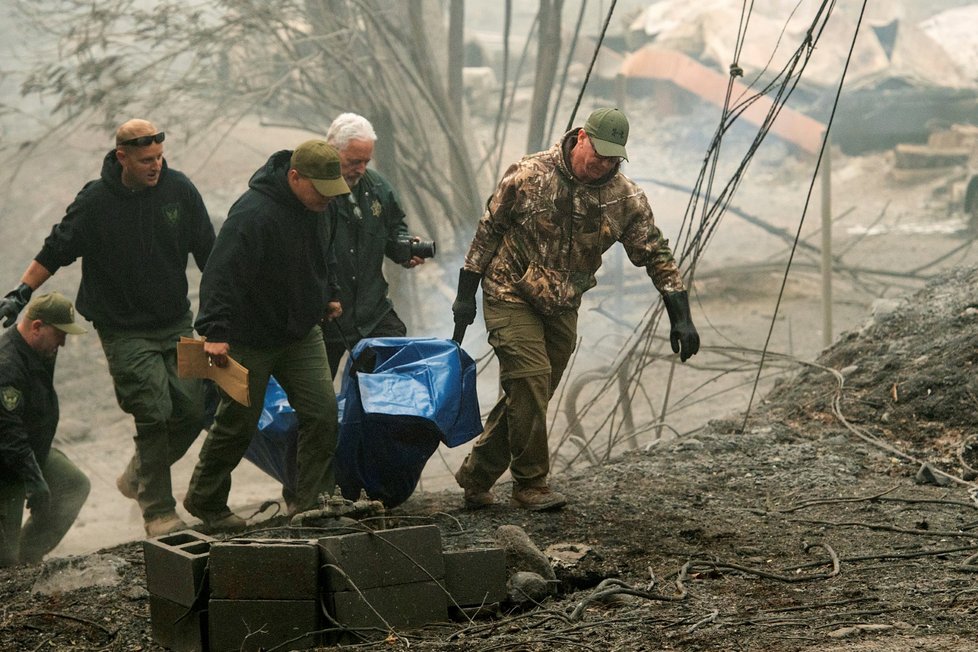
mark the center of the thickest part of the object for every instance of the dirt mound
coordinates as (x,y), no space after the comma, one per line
(805,530)
(908,376)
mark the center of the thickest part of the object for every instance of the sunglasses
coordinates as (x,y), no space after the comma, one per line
(143,141)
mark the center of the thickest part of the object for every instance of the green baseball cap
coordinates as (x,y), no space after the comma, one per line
(55,310)
(608,129)
(319,162)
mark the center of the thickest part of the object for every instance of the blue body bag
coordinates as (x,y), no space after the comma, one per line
(401,398)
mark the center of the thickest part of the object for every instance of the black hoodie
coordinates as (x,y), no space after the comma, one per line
(270,275)
(134,247)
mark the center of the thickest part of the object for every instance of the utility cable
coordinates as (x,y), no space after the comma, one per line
(640,343)
(808,198)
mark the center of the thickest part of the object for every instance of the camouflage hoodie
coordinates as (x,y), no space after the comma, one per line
(541,238)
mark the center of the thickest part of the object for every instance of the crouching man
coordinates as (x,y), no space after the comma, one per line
(30,469)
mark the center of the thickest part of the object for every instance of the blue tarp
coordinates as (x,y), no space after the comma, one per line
(401,397)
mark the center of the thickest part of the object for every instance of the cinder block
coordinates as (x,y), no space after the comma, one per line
(475,577)
(251,625)
(178,627)
(265,569)
(382,558)
(402,605)
(176,564)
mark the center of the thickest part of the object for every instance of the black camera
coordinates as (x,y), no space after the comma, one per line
(406,249)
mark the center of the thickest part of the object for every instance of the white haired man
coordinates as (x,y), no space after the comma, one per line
(369,224)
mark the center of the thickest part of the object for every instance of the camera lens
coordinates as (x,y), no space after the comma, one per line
(423,249)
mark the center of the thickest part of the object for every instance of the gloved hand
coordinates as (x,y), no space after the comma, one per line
(38,497)
(464,306)
(683,336)
(13,303)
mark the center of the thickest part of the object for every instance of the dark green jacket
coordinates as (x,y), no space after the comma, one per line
(360,244)
(28,409)
(134,247)
(270,275)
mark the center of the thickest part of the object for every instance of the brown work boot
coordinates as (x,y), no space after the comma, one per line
(164,524)
(537,499)
(126,486)
(224,520)
(478,499)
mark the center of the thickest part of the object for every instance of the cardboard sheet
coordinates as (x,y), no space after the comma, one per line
(192,362)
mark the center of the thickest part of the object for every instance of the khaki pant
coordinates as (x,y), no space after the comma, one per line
(168,410)
(303,372)
(43,531)
(533,351)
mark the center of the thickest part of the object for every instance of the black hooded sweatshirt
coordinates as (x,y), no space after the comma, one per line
(271,272)
(134,247)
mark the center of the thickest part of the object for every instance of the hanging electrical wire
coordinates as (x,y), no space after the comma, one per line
(808,198)
(695,234)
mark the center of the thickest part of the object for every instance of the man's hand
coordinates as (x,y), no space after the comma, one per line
(683,336)
(333,310)
(13,303)
(217,352)
(413,261)
(38,498)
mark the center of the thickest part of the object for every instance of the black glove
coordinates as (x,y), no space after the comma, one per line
(13,303)
(38,497)
(464,306)
(683,333)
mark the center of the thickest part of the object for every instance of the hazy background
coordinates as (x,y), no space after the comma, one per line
(892,229)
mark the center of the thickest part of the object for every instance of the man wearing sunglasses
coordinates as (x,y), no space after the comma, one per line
(535,251)
(133,229)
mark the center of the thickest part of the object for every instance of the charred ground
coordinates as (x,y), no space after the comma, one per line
(807,526)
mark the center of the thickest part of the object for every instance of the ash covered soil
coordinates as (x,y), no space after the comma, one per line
(812,527)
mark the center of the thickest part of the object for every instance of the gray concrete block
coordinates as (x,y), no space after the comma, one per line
(475,577)
(382,558)
(401,605)
(264,569)
(178,627)
(252,625)
(176,565)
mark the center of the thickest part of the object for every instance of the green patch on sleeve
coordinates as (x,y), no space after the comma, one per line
(10,397)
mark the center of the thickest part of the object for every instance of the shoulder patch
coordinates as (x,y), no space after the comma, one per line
(10,397)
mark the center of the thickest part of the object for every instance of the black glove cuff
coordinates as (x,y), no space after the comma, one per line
(468,283)
(22,293)
(677,306)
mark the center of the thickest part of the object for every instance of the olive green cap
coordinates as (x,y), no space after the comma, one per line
(55,310)
(608,129)
(319,162)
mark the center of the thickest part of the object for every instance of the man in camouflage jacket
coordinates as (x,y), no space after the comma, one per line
(536,250)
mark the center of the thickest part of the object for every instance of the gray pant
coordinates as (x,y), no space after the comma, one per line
(43,531)
(303,372)
(168,410)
